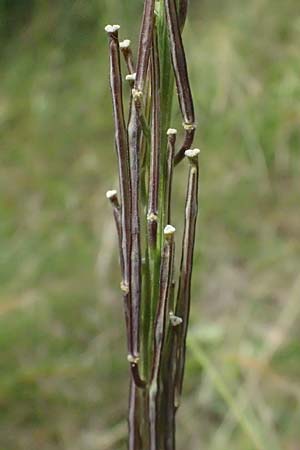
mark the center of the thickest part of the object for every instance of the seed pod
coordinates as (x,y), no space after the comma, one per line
(186,267)
(166,274)
(121,143)
(152,215)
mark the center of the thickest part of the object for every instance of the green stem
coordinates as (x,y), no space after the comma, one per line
(167,91)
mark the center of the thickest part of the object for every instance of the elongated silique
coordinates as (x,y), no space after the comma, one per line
(156,317)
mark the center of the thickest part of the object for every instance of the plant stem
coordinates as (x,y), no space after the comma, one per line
(166,274)
(124,172)
(186,267)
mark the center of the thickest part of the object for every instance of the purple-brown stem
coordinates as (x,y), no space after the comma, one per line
(112,196)
(134,136)
(170,166)
(166,274)
(145,42)
(179,63)
(181,74)
(135,440)
(121,143)
(134,133)
(186,267)
(153,190)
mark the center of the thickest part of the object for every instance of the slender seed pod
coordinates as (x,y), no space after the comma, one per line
(134,138)
(169,394)
(126,210)
(124,167)
(179,322)
(135,439)
(145,42)
(152,215)
(112,196)
(184,288)
(134,133)
(179,64)
(170,165)
(181,74)
(168,401)
(166,274)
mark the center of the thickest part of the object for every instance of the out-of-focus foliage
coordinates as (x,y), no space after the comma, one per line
(62,370)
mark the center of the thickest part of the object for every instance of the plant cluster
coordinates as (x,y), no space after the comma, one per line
(156,306)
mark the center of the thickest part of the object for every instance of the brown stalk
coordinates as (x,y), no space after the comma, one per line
(186,267)
(166,274)
(169,410)
(153,199)
(169,394)
(121,143)
(112,196)
(145,42)
(134,133)
(181,75)
(135,440)
(170,166)
(121,140)
(134,136)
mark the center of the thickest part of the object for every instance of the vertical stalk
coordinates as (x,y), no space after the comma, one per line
(134,419)
(181,76)
(171,133)
(167,91)
(186,266)
(124,169)
(166,274)
(145,41)
(153,190)
(112,196)
(134,133)
(134,136)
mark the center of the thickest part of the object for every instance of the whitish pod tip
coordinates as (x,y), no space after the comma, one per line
(133,359)
(175,320)
(125,44)
(169,230)
(192,153)
(111,28)
(189,126)
(171,131)
(130,77)
(111,194)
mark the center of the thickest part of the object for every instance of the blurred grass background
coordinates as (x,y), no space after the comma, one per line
(63,374)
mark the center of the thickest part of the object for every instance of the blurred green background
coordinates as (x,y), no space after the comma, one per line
(63,371)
